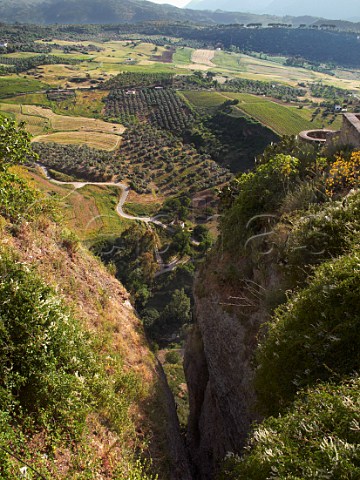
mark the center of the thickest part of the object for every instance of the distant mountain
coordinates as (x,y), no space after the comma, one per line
(134,11)
(330,9)
(116,11)
(230,5)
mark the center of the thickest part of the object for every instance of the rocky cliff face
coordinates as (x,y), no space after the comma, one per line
(218,359)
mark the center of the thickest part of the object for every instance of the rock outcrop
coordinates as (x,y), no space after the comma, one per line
(219,361)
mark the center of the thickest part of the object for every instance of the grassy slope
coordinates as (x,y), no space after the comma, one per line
(182,55)
(281,119)
(83,104)
(228,61)
(89,212)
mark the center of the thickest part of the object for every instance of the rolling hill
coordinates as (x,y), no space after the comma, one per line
(346,10)
(115,11)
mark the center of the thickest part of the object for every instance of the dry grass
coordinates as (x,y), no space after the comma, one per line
(10,108)
(101,141)
(34,125)
(66,123)
(144,198)
(68,130)
(203,57)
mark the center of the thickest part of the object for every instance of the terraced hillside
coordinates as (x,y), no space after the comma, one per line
(148,159)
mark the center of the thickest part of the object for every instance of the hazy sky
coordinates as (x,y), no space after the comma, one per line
(177,3)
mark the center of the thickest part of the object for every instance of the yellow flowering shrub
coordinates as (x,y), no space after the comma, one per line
(343,174)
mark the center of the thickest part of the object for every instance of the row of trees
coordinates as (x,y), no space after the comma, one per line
(18,65)
(146,158)
(162,107)
(257,87)
(133,80)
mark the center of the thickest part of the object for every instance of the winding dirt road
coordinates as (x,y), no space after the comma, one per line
(119,208)
(163,268)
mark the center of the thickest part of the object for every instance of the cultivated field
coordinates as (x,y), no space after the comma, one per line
(267,70)
(101,141)
(14,84)
(138,56)
(51,127)
(35,125)
(67,123)
(228,61)
(204,99)
(203,57)
(84,103)
(281,118)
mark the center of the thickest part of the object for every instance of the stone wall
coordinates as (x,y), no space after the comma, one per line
(350,130)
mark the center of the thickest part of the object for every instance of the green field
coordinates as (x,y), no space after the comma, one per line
(84,104)
(228,61)
(106,223)
(318,121)
(30,99)
(21,55)
(12,85)
(141,209)
(152,67)
(183,55)
(204,99)
(245,97)
(282,119)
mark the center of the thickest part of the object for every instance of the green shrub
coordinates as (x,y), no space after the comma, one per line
(302,197)
(18,200)
(46,359)
(258,192)
(315,336)
(52,375)
(318,438)
(173,357)
(70,241)
(15,145)
(324,232)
